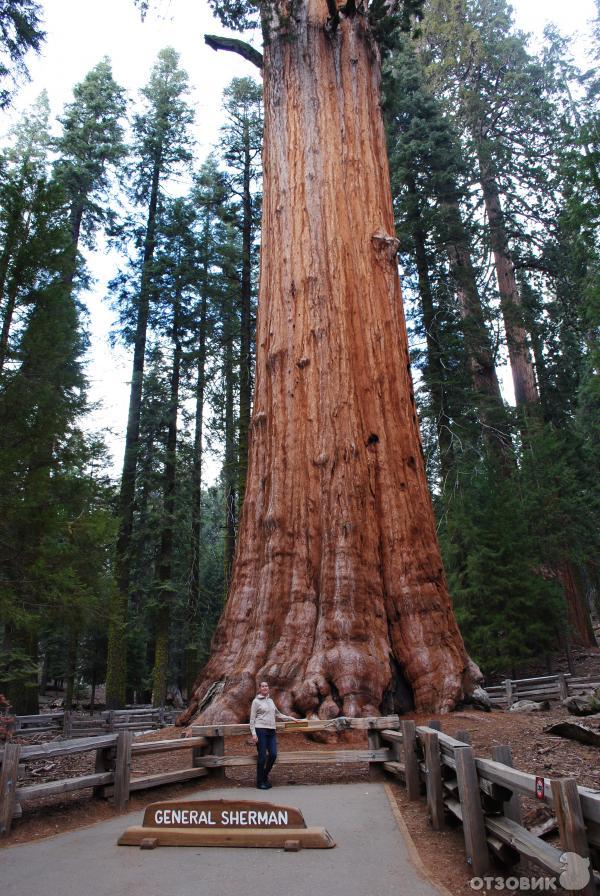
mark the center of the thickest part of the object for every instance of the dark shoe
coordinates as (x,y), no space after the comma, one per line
(263,786)
(268,785)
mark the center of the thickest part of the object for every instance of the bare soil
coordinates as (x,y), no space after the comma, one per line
(442,853)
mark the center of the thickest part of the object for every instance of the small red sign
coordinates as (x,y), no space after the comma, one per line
(539,788)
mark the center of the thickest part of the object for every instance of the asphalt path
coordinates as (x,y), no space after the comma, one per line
(371,856)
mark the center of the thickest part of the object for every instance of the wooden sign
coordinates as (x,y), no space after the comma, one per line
(222,814)
(225,823)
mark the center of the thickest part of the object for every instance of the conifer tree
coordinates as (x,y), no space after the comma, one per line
(497,89)
(175,282)
(209,198)
(40,403)
(427,164)
(161,145)
(23,205)
(90,145)
(20,31)
(241,145)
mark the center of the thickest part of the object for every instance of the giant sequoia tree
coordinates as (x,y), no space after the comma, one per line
(338,592)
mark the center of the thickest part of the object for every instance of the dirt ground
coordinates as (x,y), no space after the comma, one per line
(442,853)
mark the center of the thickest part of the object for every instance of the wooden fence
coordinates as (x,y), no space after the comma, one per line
(111,777)
(114,752)
(70,724)
(484,795)
(548,687)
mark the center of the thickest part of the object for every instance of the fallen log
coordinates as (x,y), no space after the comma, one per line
(574,731)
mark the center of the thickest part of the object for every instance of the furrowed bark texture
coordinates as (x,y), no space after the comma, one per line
(338,595)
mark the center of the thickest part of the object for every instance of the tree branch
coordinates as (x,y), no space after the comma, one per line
(235,46)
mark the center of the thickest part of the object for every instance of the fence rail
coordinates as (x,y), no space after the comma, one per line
(547,687)
(484,795)
(71,725)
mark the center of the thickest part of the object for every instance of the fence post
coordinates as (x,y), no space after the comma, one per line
(67,724)
(374,742)
(472,811)
(464,736)
(8,786)
(571,825)
(512,808)
(110,720)
(435,793)
(435,724)
(105,762)
(508,688)
(216,747)
(563,688)
(123,769)
(411,760)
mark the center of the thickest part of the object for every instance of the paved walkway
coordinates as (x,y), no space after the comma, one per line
(371,857)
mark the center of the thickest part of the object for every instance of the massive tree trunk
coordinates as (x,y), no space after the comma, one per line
(338,594)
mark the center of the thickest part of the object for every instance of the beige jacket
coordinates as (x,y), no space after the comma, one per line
(264,714)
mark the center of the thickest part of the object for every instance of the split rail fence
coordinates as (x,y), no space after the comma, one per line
(484,795)
(71,725)
(548,687)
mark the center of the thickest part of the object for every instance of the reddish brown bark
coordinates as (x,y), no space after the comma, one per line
(580,622)
(338,591)
(526,393)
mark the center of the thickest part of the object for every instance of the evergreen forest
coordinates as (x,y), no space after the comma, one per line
(494,149)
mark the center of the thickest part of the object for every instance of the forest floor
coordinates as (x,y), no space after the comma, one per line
(442,853)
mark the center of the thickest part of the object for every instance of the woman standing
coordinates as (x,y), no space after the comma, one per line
(263,725)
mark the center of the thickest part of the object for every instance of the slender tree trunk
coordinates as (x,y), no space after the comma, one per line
(526,393)
(9,310)
(477,340)
(165,557)
(193,606)
(579,613)
(115,676)
(435,376)
(71,669)
(76,218)
(338,585)
(246,336)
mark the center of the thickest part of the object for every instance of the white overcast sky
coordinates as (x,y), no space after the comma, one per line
(81,32)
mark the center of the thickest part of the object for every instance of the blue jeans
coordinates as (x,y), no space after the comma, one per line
(267,753)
